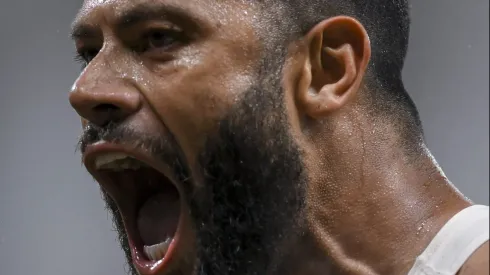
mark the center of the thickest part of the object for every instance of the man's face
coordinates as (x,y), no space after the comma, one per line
(186,131)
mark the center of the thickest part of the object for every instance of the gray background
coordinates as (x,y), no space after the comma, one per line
(52,220)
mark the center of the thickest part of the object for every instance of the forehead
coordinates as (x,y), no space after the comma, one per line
(209,10)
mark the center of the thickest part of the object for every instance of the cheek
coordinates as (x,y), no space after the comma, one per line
(203,82)
(191,102)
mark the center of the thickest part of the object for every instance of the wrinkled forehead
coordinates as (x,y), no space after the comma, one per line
(212,11)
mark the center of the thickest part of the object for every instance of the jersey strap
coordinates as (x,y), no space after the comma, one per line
(454,243)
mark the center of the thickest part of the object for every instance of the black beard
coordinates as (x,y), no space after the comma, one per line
(248,209)
(252,197)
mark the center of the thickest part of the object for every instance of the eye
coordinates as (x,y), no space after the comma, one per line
(160,39)
(84,56)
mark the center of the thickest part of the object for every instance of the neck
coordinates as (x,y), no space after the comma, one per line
(372,209)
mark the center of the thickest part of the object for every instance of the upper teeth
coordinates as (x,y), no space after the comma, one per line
(117,162)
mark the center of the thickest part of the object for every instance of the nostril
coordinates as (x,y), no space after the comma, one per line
(101,106)
(106,107)
(105,113)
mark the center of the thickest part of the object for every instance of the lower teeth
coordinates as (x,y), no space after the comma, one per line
(157,251)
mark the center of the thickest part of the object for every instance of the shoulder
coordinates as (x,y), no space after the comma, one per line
(478,263)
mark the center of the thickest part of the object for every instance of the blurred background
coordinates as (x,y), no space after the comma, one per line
(52,219)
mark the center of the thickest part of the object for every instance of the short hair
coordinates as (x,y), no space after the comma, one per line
(387,24)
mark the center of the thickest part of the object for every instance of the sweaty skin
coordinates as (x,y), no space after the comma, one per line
(369,206)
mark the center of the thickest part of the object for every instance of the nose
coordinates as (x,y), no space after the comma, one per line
(107,103)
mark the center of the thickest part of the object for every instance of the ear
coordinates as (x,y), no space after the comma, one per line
(339,52)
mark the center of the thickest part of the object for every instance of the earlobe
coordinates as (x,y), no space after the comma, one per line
(339,52)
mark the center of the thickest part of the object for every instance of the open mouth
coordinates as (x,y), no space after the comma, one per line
(149,202)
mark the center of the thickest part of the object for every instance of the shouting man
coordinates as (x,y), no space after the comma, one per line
(265,137)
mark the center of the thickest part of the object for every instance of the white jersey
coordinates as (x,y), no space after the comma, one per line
(454,243)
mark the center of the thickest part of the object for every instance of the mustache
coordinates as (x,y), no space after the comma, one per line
(162,147)
(113,133)
(122,134)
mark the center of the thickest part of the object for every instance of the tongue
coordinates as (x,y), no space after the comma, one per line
(158,218)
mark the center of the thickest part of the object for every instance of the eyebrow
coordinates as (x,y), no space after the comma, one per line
(139,14)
